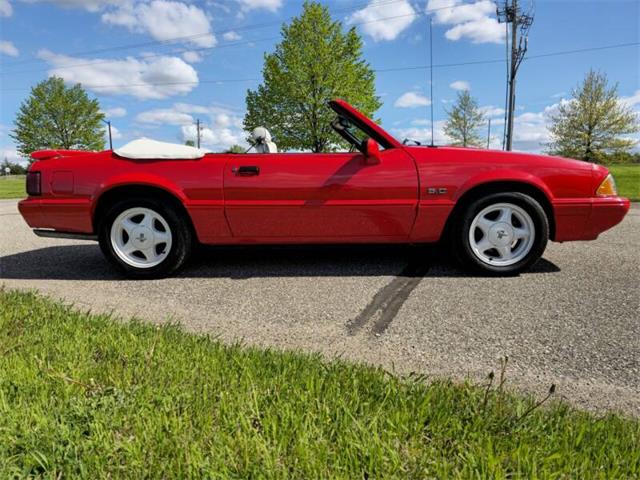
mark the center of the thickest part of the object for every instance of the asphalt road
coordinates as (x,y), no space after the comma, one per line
(574,320)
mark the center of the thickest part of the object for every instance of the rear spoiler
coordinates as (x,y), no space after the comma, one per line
(46,154)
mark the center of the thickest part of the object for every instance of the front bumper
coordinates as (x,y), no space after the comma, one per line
(585,219)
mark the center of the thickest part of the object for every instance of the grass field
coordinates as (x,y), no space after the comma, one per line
(627,179)
(12,187)
(84,396)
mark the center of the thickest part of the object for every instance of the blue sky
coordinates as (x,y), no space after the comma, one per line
(124,52)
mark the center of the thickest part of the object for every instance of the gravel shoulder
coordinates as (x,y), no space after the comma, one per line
(574,320)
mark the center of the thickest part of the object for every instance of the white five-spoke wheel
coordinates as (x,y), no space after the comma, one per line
(146,237)
(502,234)
(141,237)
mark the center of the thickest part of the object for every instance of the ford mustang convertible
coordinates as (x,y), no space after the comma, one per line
(149,203)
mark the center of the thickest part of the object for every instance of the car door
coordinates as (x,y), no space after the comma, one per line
(300,197)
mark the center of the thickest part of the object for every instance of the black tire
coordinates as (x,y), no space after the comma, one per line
(181,238)
(464,252)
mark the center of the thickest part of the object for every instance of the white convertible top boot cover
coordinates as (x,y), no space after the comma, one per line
(145,148)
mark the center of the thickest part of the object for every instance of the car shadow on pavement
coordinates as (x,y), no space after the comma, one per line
(85,262)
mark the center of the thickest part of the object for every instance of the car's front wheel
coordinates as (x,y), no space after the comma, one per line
(145,238)
(502,233)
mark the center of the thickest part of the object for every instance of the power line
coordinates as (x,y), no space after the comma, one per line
(186,38)
(142,57)
(378,70)
(502,60)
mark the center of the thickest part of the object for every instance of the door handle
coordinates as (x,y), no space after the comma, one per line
(246,171)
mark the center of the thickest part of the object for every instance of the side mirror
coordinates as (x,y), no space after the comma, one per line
(371,152)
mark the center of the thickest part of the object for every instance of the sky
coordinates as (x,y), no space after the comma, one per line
(156,66)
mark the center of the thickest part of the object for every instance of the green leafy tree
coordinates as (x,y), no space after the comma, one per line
(14,168)
(463,122)
(591,126)
(315,62)
(190,143)
(235,149)
(57,116)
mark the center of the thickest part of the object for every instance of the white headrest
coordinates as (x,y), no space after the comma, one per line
(260,135)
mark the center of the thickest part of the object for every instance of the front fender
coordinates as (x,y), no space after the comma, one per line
(502,176)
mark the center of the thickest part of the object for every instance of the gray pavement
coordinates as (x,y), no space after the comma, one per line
(574,320)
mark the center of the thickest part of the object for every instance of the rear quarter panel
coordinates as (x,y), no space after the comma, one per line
(198,184)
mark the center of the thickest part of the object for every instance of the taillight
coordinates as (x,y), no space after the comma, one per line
(33,183)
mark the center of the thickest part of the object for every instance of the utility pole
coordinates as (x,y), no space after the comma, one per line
(198,131)
(431,73)
(520,25)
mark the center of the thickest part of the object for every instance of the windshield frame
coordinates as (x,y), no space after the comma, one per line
(361,122)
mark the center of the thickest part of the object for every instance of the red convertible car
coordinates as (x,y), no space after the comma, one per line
(148,208)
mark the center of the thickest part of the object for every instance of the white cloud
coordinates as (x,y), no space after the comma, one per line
(151,78)
(530,132)
(116,112)
(423,135)
(460,85)
(384,21)
(8,48)
(468,20)
(115,133)
(221,127)
(271,5)
(164,20)
(231,36)
(632,100)
(215,139)
(491,111)
(5,8)
(192,57)
(12,155)
(164,116)
(411,100)
(191,108)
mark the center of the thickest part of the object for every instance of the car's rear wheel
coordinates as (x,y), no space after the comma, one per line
(145,238)
(502,233)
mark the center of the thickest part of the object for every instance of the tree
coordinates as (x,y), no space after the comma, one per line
(590,126)
(315,62)
(190,143)
(14,168)
(235,149)
(57,116)
(463,122)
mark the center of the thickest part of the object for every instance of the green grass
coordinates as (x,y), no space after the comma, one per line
(85,396)
(627,180)
(12,187)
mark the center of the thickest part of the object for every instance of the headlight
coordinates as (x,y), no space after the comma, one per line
(607,188)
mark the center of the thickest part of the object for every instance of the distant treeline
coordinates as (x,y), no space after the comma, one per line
(623,157)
